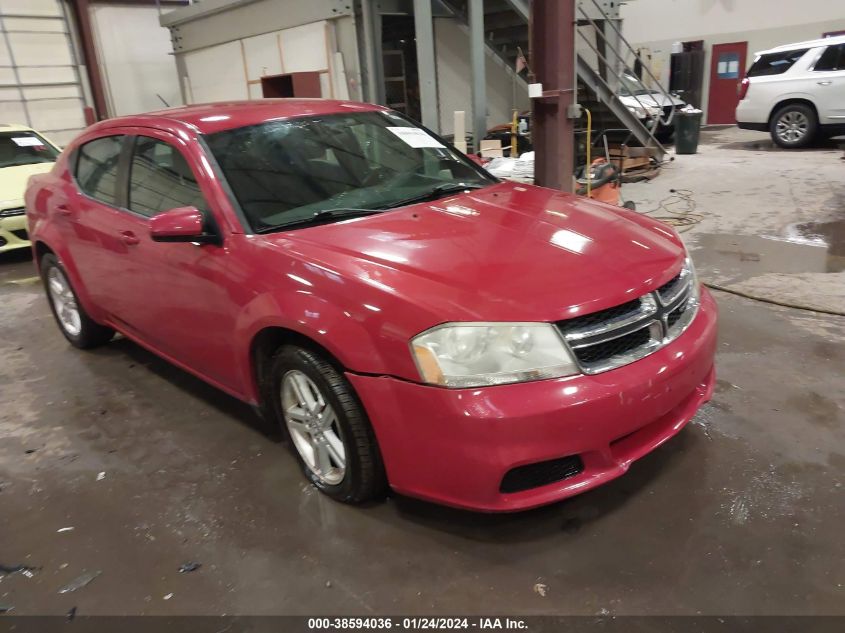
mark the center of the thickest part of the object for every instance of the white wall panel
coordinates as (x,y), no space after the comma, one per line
(55,114)
(39,48)
(12,112)
(217,73)
(47,75)
(7,77)
(135,57)
(56,25)
(262,55)
(256,91)
(304,48)
(31,7)
(51,92)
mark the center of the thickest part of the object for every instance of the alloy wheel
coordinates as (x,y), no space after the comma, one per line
(314,427)
(64,302)
(792,126)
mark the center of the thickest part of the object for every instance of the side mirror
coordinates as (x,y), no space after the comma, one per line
(184,224)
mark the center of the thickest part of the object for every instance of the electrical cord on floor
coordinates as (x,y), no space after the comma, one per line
(785,304)
(679,210)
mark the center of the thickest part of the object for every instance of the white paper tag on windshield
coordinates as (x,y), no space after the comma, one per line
(415,137)
(27,141)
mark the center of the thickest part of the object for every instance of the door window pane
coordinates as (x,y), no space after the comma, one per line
(96,168)
(160,179)
(833,58)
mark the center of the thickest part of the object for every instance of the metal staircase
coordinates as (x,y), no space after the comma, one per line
(603,56)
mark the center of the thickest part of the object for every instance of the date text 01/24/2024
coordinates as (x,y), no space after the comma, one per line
(415,623)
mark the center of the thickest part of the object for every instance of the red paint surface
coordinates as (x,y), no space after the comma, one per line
(724,93)
(364,287)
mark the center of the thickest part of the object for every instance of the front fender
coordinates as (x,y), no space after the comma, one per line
(347,336)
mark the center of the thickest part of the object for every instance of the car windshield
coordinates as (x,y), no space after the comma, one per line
(629,85)
(25,148)
(285,172)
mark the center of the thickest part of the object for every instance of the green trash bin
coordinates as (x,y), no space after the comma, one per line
(687,127)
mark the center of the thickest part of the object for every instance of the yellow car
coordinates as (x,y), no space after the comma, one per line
(23,153)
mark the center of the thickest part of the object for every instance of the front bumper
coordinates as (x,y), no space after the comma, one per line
(454,446)
(13,233)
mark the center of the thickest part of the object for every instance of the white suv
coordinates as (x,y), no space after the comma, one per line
(795,92)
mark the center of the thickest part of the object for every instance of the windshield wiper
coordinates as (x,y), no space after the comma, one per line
(433,194)
(321,217)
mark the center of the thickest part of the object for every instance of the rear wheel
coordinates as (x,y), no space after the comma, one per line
(73,321)
(794,125)
(328,428)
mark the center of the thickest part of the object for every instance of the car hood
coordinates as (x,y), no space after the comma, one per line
(13,182)
(505,252)
(655,99)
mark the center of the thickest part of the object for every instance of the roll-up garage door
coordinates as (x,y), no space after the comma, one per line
(39,75)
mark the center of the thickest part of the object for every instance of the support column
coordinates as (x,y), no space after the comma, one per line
(479,73)
(372,58)
(82,13)
(426,64)
(552,36)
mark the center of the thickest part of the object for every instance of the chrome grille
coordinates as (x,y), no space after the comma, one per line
(8,213)
(610,338)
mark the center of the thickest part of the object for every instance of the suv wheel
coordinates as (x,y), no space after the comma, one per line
(328,428)
(793,126)
(73,321)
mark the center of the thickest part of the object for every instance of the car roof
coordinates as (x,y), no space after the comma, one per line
(14,127)
(216,117)
(825,41)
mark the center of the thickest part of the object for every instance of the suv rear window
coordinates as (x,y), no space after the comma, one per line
(775,63)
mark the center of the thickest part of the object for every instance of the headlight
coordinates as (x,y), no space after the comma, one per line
(477,354)
(696,287)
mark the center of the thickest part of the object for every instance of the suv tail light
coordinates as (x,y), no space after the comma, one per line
(743,88)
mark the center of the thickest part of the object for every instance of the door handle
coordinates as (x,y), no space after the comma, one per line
(128,237)
(63,209)
(824,83)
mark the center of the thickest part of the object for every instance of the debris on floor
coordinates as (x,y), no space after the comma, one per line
(5,608)
(80,582)
(8,570)
(101,476)
(64,529)
(168,596)
(517,169)
(71,614)
(189,567)
(540,589)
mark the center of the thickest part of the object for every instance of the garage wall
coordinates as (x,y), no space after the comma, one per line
(136,58)
(39,76)
(274,37)
(233,70)
(451,45)
(655,24)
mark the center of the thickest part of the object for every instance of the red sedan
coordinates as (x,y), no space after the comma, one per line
(410,321)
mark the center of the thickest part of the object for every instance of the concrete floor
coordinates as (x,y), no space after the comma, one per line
(772,221)
(742,513)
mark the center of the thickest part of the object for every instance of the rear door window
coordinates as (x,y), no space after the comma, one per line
(833,58)
(775,63)
(96,168)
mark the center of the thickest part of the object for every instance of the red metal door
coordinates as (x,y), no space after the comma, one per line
(727,67)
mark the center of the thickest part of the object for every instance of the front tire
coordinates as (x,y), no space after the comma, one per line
(329,431)
(77,327)
(794,125)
